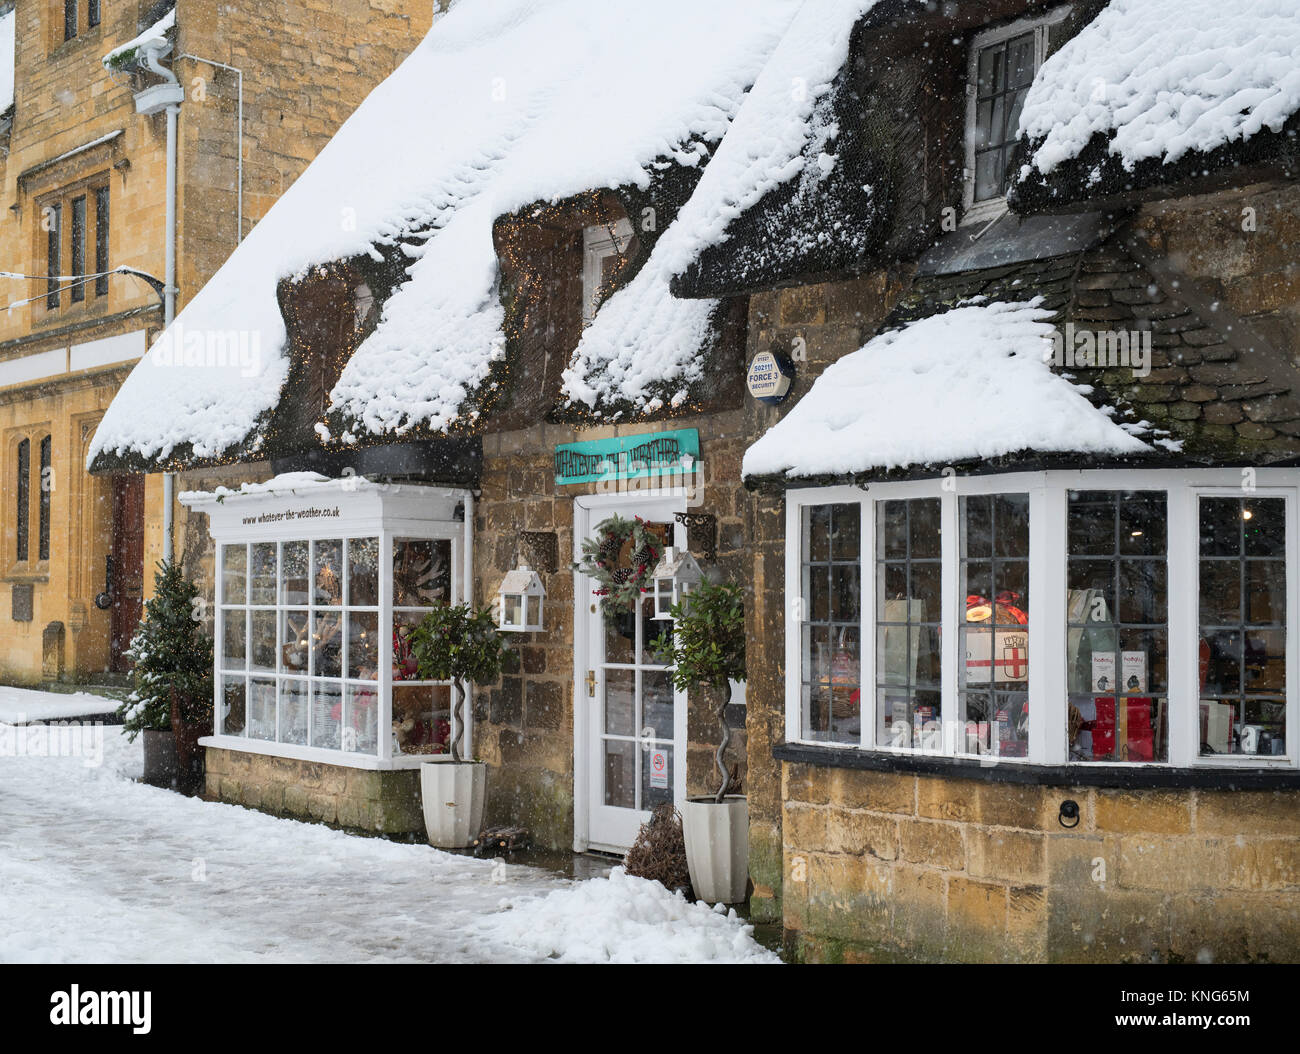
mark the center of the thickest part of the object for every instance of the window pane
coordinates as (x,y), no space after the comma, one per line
(327,715)
(908,600)
(327,573)
(295,641)
(262,585)
(363,646)
(78,238)
(234,574)
(421,572)
(1242,606)
(327,643)
(262,641)
(363,572)
(53,219)
(360,732)
(69,19)
(46,485)
(22,495)
(294,574)
(101,241)
(261,709)
(233,639)
(1116,617)
(234,692)
(293,711)
(993,688)
(831,635)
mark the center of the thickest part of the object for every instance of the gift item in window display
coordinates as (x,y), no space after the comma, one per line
(405,665)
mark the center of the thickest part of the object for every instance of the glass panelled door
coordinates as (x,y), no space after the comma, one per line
(636,720)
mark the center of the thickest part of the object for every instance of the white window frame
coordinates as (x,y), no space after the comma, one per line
(599,243)
(1048,545)
(386,512)
(988,211)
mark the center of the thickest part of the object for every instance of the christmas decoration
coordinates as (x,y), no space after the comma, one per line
(621,587)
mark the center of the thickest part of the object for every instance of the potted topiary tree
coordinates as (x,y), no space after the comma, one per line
(171,698)
(455,643)
(707,650)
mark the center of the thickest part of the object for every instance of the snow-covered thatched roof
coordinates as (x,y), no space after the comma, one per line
(503,104)
(977,378)
(1154,91)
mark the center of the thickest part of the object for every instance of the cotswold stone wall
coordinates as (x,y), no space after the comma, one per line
(888,866)
(815,325)
(524,724)
(364,799)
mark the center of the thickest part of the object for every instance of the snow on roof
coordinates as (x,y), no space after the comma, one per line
(645,337)
(7,59)
(973,382)
(503,104)
(1166,77)
(125,52)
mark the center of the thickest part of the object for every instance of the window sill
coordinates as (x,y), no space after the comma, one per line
(1219,777)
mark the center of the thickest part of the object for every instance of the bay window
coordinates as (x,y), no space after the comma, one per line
(318,587)
(1157,633)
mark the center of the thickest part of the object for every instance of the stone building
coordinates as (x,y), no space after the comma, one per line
(84,173)
(1126,788)
(1041,389)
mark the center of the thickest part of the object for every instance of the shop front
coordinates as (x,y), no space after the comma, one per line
(319,709)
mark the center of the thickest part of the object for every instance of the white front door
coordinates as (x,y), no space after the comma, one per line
(630,722)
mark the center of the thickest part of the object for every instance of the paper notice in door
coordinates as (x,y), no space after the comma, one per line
(658,770)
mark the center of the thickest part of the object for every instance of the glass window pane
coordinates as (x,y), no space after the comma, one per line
(656,774)
(363,646)
(421,572)
(327,573)
(262,641)
(327,643)
(233,639)
(908,600)
(294,575)
(234,574)
(421,718)
(1116,638)
(832,595)
(261,709)
(620,773)
(295,642)
(620,702)
(293,711)
(1242,590)
(327,715)
(360,720)
(363,572)
(234,692)
(993,681)
(657,704)
(405,665)
(262,573)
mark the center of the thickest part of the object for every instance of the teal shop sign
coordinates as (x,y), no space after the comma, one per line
(628,457)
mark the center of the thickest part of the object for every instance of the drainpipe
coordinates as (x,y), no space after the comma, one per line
(168,96)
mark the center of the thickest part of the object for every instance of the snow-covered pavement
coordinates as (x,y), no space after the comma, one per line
(97,868)
(21,705)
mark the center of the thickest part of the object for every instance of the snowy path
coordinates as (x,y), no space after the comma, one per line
(95,867)
(20,705)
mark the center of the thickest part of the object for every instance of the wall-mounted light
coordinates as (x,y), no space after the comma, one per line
(522,597)
(676,577)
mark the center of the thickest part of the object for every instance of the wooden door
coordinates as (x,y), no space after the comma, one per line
(128,567)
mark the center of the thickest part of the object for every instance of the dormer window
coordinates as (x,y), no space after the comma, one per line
(1003,62)
(603,245)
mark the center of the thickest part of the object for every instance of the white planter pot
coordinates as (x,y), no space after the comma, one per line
(453,793)
(717,847)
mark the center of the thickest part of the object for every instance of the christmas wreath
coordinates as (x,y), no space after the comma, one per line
(620,587)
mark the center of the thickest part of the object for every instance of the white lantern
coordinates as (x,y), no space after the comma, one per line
(522,595)
(676,577)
